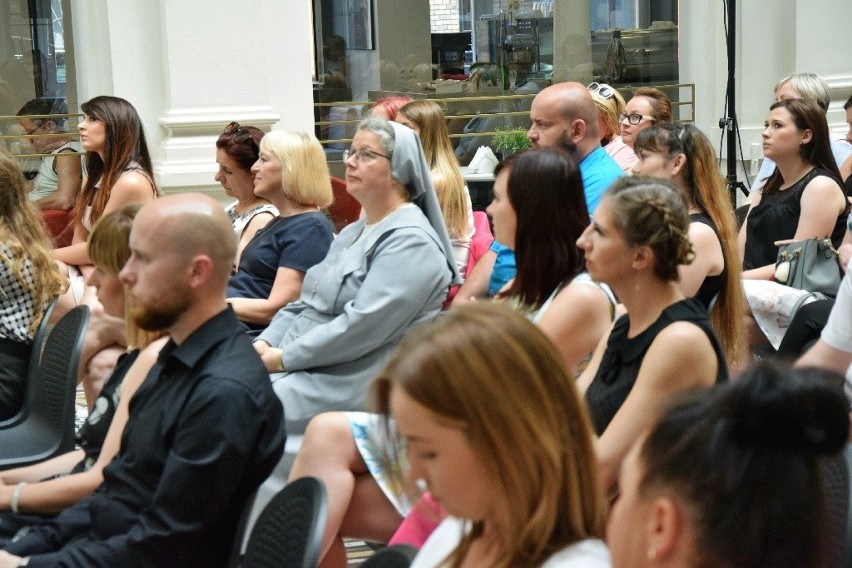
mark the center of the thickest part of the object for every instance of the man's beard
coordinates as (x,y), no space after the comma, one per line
(161,316)
(566,144)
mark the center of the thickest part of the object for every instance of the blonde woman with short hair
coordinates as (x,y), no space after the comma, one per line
(292,174)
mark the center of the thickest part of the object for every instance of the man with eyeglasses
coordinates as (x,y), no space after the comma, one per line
(60,174)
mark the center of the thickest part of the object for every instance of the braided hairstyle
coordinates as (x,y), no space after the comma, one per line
(746,457)
(652,212)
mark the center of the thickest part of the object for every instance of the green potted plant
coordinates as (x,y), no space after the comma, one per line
(509,141)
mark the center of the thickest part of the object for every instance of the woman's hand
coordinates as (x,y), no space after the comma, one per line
(271,356)
(8,560)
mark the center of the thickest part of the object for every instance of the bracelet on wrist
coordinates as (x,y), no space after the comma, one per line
(279,368)
(16,496)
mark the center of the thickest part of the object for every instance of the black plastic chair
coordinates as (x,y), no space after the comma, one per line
(32,372)
(48,429)
(289,530)
(395,556)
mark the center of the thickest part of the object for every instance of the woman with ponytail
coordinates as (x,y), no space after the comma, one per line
(664,344)
(738,477)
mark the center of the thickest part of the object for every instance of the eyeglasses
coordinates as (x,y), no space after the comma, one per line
(34,129)
(634,118)
(239,133)
(362,156)
(602,89)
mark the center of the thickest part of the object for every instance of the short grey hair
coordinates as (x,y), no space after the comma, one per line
(382,129)
(811,86)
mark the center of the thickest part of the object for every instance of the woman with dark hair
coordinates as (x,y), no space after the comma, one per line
(735,477)
(118,171)
(802,199)
(29,281)
(682,154)
(664,344)
(237,149)
(539,211)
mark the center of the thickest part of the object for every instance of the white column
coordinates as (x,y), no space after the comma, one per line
(192,66)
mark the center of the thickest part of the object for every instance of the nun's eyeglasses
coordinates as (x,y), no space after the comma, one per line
(362,156)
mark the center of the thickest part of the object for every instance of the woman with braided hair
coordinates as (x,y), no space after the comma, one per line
(664,344)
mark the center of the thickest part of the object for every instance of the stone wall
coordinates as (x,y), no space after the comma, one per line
(444,16)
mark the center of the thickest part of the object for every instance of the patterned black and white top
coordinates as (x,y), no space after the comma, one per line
(16,302)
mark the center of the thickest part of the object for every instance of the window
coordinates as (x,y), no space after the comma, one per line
(34,76)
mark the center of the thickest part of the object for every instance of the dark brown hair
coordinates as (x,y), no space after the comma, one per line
(746,457)
(124,144)
(546,191)
(807,115)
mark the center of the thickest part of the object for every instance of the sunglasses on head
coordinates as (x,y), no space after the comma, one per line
(602,89)
(239,133)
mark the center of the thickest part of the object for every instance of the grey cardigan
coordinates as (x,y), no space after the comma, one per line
(354,308)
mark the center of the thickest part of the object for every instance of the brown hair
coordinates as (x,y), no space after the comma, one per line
(486,369)
(707,190)
(807,115)
(661,104)
(124,144)
(546,191)
(652,212)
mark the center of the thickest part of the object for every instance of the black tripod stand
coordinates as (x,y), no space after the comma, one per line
(729,121)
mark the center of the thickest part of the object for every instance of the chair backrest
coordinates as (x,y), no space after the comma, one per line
(345,208)
(289,530)
(395,556)
(32,372)
(53,401)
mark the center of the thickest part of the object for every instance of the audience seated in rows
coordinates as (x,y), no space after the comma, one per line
(205,428)
(35,493)
(292,174)
(540,211)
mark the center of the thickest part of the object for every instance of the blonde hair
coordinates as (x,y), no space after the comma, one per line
(446,174)
(608,109)
(109,249)
(23,233)
(487,370)
(304,172)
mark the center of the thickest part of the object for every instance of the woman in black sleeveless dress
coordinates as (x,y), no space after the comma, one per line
(664,344)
